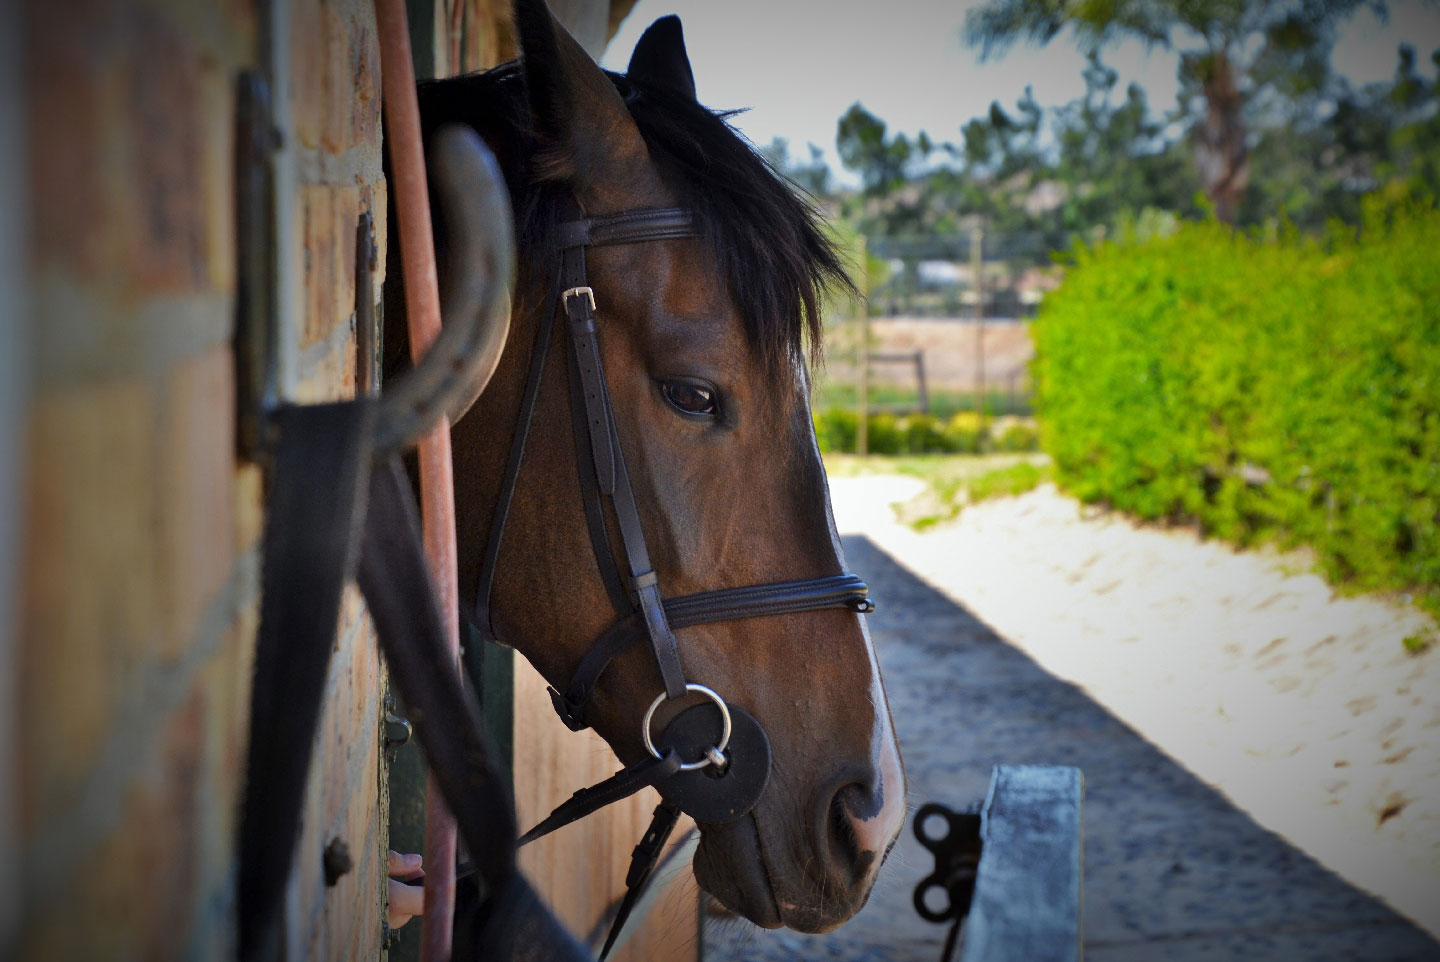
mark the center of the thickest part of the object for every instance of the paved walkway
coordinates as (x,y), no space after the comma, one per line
(1173,871)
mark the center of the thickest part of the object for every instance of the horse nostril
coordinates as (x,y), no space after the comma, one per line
(852,844)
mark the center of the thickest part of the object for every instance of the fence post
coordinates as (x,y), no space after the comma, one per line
(977,268)
(922,400)
(862,351)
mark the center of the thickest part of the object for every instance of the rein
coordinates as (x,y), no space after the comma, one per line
(740,754)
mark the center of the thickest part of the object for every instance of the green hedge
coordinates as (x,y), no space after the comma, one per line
(1269,387)
(835,430)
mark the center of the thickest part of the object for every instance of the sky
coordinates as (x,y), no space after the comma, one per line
(799,64)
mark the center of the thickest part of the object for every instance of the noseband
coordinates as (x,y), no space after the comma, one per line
(631,583)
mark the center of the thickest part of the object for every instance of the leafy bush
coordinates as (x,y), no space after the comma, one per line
(884,436)
(835,431)
(1018,436)
(1269,387)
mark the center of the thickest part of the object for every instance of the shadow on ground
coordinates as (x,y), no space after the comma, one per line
(1173,871)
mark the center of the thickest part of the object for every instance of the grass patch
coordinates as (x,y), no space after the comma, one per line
(1419,643)
(943,402)
(952,481)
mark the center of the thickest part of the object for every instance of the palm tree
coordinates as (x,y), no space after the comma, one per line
(1236,57)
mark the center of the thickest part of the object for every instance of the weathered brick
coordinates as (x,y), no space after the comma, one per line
(320,263)
(91,605)
(307,58)
(345,205)
(166,195)
(375,198)
(249,507)
(196,453)
(136,890)
(64,134)
(217,113)
(365,82)
(338,85)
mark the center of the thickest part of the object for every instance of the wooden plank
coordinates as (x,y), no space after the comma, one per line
(580,870)
(1028,890)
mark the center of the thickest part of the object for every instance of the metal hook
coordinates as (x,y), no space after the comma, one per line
(475,302)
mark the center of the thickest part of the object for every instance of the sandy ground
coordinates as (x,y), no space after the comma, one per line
(1302,708)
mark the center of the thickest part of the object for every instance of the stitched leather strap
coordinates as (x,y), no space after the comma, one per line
(624,783)
(708,607)
(651,224)
(642,863)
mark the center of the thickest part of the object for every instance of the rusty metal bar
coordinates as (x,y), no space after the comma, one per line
(437,490)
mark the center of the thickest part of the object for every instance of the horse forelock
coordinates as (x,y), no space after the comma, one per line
(765,236)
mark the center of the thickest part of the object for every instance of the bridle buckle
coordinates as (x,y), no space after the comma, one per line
(577,292)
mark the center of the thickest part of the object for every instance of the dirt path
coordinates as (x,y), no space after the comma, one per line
(1208,697)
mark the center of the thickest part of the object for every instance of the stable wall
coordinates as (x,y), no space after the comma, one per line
(135,565)
(139,560)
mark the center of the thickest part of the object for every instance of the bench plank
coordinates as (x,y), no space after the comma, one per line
(1028,889)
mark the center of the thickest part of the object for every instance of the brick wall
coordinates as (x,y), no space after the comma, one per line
(140,554)
(137,557)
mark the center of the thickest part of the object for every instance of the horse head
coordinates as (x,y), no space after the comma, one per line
(702,341)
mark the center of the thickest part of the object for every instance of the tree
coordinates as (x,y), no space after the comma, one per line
(884,163)
(1235,56)
(813,177)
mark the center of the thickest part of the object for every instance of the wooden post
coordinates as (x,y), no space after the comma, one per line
(922,395)
(977,268)
(862,352)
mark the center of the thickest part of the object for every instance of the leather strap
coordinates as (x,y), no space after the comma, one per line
(610,471)
(311,535)
(708,607)
(642,863)
(624,783)
(539,351)
(593,500)
(629,227)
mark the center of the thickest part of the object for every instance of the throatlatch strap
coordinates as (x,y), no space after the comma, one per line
(539,351)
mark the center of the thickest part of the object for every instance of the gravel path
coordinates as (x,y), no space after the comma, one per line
(1094,619)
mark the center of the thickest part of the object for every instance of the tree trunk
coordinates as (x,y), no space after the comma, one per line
(1221,154)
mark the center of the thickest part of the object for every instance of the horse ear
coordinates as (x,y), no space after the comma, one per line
(586,129)
(660,57)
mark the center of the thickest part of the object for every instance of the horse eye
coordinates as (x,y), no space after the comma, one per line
(687,397)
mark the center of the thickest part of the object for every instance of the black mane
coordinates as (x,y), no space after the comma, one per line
(766,238)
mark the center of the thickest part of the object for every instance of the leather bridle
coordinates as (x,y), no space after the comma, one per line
(642,613)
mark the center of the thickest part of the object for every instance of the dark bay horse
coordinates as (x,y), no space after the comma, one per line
(702,340)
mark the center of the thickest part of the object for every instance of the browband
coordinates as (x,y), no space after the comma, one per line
(651,224)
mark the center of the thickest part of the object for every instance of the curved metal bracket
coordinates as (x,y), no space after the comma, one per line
(475,302)
(475,299)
